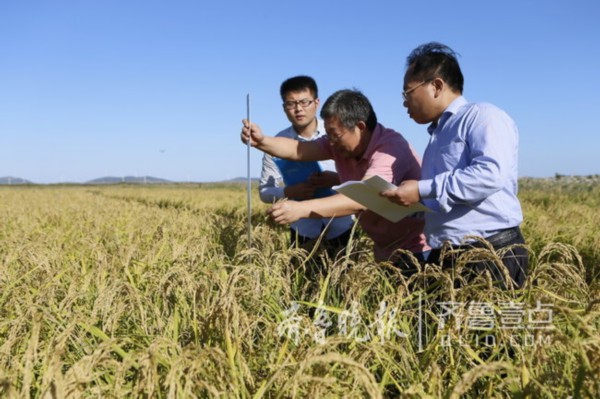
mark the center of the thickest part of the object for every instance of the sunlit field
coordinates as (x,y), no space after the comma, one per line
(147,291)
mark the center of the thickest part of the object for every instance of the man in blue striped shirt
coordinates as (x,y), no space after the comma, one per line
(469,171)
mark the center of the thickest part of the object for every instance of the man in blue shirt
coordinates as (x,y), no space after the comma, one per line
(469,171)
(300,103)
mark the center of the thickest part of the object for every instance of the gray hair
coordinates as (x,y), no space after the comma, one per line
(351,107)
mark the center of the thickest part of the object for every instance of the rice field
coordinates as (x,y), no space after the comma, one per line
(154,292)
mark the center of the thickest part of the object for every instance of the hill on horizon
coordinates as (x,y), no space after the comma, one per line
(10,180)
(241,180)
(128,180)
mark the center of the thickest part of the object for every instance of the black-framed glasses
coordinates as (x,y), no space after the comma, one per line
(405,93)
(305,102)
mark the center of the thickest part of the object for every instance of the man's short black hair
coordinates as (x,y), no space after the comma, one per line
(432,60)
(299,83)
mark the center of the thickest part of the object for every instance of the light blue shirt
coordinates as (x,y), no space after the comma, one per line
(469,173)
(271,189)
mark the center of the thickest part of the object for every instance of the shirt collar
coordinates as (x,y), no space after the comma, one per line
(452,109)
(318,133)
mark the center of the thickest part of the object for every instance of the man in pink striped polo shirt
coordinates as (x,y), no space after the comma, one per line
(361,148)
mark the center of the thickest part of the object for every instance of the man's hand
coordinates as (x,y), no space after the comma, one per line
(252,132)
(286,212)
(325,179)
(300,191)
(407,193)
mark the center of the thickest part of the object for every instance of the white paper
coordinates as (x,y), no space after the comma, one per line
(366,192)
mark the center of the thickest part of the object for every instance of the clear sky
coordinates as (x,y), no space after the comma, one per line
(92,88)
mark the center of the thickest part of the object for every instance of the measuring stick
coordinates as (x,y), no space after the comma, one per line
(249,180)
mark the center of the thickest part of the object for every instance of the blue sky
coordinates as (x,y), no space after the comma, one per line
(92,88)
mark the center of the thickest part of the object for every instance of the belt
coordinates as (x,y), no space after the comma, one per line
(499,240)
(506,237)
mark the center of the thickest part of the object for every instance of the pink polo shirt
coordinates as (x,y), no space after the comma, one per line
(390,156)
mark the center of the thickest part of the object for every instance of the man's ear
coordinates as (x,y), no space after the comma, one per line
(361,125)
(438,84)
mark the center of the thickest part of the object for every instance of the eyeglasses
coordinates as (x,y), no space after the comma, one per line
(336,139)
(405,93)
(305,102)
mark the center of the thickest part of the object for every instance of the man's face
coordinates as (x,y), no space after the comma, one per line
(418,98)
(300,107)
(345,141)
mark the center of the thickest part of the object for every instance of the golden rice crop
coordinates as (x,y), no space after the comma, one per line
(153,291)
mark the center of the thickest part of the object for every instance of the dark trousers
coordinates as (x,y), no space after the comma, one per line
(333,246)
(406,264)
(314,269)
(515,258)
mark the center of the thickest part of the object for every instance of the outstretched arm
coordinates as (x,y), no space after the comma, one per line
(285,212)
(281,147)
